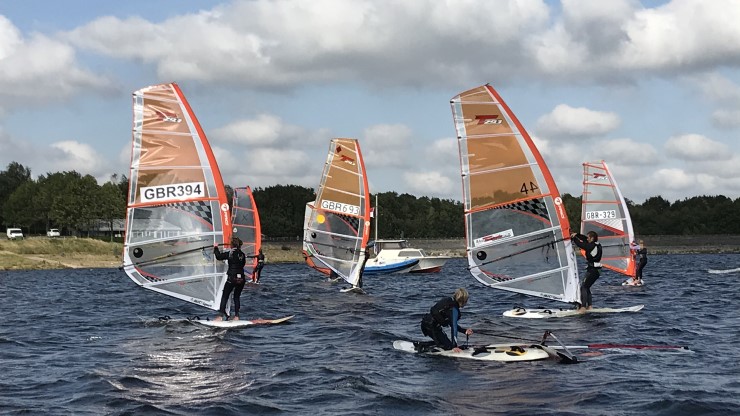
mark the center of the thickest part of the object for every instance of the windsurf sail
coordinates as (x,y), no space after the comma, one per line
(308,255)
(246,225)
(338,227)
(177,207)
(604,210)
(516,228)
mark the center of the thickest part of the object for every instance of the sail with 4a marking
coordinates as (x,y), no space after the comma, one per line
(246,225)
(604,210)
(517,231)
(338,228)
(307,254)
(177,206)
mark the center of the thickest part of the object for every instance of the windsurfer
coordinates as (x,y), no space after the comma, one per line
(446,312)
(257,273)
(642,252)
(235,276)
(590,245)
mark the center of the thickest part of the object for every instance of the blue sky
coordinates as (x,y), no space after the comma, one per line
(651,87)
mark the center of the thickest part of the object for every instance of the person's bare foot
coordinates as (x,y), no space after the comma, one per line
(582,310)
(218,318)
(235,318)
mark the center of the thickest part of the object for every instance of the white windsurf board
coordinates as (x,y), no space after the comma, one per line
(498,352)
(241,323)
(561,313)
(353,289)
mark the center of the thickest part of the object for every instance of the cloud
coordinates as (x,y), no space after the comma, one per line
(429,183)
(386,145)
(40,69)
(726,119)
(695,147)
(626,152)
(565,121)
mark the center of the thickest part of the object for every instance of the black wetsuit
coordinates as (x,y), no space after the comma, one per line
(257,273)
(235,281)
(643,261)
(593,260)
(446,312)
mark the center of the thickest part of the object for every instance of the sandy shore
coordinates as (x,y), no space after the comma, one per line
(14,258)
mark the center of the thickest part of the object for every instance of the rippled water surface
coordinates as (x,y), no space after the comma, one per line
(90,342)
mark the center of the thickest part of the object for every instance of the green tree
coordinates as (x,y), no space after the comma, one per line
(18,210)
(10,179)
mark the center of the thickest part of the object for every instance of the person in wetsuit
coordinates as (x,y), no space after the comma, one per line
(642,252)
(257,273)
(235,276)
(591,246)
(446,312)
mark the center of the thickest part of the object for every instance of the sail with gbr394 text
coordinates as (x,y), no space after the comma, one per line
(177,206)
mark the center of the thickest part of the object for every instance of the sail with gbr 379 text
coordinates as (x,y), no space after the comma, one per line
(516,228)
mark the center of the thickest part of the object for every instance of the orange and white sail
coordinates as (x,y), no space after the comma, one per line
(308,255)
(604,210)
(246,225)
(177,206)
(338,228)
(516,227)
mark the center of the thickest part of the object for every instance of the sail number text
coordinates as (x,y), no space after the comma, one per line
(174,191)
(340,207)
(601,215)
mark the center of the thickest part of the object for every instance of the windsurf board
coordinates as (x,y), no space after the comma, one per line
(561,313)
(241,323)
(497,352)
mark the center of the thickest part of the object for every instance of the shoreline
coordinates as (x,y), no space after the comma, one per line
(73,253)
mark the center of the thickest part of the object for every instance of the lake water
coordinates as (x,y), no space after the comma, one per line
(77,342)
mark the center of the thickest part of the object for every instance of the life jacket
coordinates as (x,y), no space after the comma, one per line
(237,260)
(442,311)
(593,256)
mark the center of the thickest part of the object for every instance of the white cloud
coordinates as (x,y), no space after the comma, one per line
(386,145)
(695,147)
(429,183)
(728,119)
(39,69)
(626,152)
(565,122)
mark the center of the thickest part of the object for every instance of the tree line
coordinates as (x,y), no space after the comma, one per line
(73,202)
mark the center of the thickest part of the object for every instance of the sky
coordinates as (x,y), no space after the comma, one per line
(651,87)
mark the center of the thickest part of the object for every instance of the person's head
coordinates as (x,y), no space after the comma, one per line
(592,236)
(260,251)
(642,242)
(461,296)
(236,242)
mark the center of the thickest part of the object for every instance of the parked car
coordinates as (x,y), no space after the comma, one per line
(14,233)
(53,233)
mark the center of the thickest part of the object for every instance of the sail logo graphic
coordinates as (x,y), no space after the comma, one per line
(559,207)
(490,119)
(170,118)
(493,237)
(343,158)
(599,176)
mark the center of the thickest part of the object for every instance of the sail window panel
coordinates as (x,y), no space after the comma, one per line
(203,289)
(518,219)
(502,186)
(484,119)
(176,259)
(335,246)
(191,219)
(532,255)
(551,284)
(600,193)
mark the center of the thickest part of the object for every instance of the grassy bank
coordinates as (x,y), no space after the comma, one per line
(45,253)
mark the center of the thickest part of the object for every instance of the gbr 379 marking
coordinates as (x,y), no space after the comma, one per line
(174,191)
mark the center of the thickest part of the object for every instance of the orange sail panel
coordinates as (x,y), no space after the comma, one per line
(338,228)
(604,210)
(246,225)
(177,206)
(517,231)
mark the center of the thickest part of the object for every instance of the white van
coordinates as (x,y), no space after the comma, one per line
(14,233)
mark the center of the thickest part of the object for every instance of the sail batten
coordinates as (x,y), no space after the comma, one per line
(177,208)
(517,232)
(337,224)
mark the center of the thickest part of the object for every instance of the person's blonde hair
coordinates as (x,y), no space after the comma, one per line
(461,296)
(642,243)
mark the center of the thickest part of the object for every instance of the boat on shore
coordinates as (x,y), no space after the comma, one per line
(395,256)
